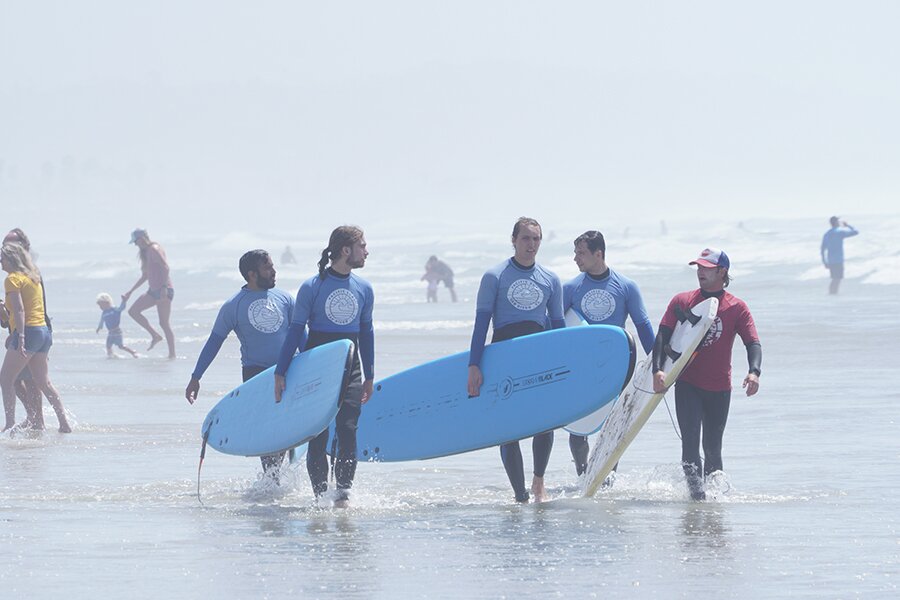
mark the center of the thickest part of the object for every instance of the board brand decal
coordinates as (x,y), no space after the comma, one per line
(264,315)
(341,307)
(525,294)
(508,386)
(598,305)
(714,333)
(307,388)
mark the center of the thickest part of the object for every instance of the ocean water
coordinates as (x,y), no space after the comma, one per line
(807,506)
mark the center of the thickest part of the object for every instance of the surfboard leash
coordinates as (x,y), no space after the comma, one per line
(333,454)
(200,466)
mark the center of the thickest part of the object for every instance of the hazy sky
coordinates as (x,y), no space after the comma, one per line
(253,114)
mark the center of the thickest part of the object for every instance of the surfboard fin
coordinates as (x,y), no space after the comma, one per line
(671,353)
(686,315)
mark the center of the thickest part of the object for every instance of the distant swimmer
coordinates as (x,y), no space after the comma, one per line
(832,250)
(30,339)
(336,304)
(155,271)
(259,314)
(603,297)
(437,271)
(287,257)
(519,296)
(703,391)
(111,318)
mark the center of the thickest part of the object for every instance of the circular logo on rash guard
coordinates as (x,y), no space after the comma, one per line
(341,307)
(264,315)
(525,294)
(598,305)
(713,335)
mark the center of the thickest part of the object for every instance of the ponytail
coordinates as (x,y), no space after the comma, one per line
(323,264)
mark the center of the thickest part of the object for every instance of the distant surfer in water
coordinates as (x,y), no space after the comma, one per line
(155,271)
(259,314)
(602,297)
(437,271)
(336,304)
(703,391)
(832,251)
(519,296)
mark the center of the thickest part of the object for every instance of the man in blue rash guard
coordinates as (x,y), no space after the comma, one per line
(260,315)
(519,295)
(602,297)
(832,251)
(336,305)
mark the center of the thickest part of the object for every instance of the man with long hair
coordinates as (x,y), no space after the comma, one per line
(335,304)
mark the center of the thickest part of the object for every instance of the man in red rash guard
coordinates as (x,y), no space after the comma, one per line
(703,391)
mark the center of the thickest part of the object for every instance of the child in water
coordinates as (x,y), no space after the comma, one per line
(111,317)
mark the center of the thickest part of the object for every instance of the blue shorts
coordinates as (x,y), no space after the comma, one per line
(114,338)
(38,339)
(157,294)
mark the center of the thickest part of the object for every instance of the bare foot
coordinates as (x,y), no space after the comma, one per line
(64,428)
(173,356)
(537,489)
(154,341)
(343,503)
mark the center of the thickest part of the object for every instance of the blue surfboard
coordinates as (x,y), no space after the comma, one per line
(531,384)
(248,422)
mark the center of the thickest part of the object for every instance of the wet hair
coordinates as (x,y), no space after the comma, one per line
(341,237)
(727,278)
(251,261)
(20,261)
(20,238)
(142,252)
(104,297)
(834,221)
(594,240)
(525,221)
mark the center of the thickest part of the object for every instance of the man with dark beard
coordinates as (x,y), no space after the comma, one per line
(260,315)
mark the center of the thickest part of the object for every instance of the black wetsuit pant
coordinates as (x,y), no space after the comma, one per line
(541,444)
(344,449)
(700,413)
(269,461)
(579,446)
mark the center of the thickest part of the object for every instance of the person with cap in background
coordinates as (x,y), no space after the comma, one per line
(832,251)
(155,271)
(703,391)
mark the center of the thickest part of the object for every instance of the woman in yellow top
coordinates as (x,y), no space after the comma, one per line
(30,340)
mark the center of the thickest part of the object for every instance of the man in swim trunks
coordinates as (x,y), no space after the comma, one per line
(519,296)
(336,304)
(832,251)
(602,297)
(703,391)
(259,314)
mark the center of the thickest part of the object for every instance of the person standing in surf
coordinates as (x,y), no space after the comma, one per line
(335,304)
(519,296)
(832,251)
(602,296)
(259,314)
(155,271)
(703,391)
(30,338)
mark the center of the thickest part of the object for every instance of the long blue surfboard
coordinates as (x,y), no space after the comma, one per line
(531,384)
(248,422)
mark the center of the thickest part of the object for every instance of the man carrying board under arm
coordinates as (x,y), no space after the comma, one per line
(519,295)
(259,314)
(703,391)
(337,305)
(602,297)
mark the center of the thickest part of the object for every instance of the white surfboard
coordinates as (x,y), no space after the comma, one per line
(634,407)
(592,423)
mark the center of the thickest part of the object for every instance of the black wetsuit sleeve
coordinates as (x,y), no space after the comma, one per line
(754,357)
(663,337)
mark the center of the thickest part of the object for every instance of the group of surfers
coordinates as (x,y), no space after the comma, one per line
(518,297)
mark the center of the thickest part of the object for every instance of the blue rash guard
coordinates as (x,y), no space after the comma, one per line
(260,319)
(833,244)
(339,306)
(607,300)
(510,293)
(112,317)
